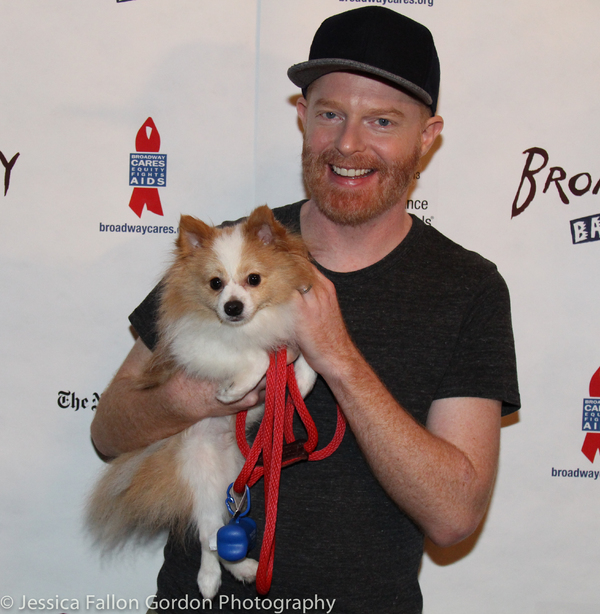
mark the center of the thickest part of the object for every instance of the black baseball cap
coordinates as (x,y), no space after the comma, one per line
(376,41)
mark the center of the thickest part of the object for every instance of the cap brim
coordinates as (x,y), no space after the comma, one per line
(305,73)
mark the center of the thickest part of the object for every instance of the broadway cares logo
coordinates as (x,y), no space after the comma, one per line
(591,427)
(591,419)
(147,173)
(583,229)
(147,170)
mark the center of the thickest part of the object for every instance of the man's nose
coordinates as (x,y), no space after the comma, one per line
(351,138)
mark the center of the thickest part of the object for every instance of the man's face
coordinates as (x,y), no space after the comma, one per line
(363,140)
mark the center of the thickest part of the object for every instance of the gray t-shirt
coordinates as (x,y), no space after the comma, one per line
(433,321)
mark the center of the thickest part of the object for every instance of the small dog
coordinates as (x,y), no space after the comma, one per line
(226,304)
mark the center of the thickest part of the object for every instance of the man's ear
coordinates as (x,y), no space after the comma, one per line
(431,130)
(301,108)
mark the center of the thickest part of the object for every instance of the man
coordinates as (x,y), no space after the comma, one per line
(409,333)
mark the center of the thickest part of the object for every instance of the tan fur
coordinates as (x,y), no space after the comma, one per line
(144,492)
(187,279)
(125,506)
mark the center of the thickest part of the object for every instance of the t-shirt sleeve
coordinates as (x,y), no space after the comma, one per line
(483,363)
(144,318)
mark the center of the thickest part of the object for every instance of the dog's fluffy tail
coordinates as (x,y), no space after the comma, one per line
(140,495)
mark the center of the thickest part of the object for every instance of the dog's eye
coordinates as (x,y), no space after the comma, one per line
(216,283)
(253,279)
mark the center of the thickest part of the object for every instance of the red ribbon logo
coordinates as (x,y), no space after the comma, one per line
(147,168)
(591,443)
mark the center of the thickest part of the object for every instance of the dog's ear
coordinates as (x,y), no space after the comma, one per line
(193,234)
(262,224)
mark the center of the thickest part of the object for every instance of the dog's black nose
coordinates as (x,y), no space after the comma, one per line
(234,308)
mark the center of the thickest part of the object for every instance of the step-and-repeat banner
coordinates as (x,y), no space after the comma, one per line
(118,115)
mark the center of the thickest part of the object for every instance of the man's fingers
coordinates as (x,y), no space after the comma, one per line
(292,354)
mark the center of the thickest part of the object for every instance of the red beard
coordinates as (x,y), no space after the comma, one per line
(353,205)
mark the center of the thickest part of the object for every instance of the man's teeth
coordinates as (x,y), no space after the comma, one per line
(350,172)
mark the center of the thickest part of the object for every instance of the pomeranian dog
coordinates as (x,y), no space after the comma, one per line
(226,304)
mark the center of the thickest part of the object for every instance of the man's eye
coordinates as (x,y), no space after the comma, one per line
(329,115)
(383,122)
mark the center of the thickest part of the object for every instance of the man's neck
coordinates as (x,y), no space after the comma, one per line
(350,248)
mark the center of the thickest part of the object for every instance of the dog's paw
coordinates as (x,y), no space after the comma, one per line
(245,380)
(230,393)
(305,375)
(244,570)
(209,577)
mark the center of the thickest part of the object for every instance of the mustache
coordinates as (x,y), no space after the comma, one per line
(332,157)
(355,161)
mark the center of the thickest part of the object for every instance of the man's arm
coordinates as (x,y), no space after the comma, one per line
(128,417)
(442,475)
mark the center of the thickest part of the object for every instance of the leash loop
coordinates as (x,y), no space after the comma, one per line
(277,426)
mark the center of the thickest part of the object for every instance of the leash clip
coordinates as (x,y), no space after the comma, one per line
(238,537)
(239,507)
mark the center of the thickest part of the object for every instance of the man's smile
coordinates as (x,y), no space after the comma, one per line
(350,172)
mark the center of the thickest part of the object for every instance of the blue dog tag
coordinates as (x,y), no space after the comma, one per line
(238,537)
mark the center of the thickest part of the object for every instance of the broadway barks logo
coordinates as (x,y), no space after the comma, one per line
(591,419)
(147,170)
(583,229)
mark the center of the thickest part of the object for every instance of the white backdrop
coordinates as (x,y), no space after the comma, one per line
(77,82)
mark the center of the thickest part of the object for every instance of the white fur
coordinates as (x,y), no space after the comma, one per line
(228,249)
(234,353)
(209,461)
(237,356)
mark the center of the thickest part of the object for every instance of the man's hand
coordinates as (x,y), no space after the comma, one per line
(128,418)
(441,475)
(321,331)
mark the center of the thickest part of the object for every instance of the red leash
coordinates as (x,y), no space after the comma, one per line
(277,423)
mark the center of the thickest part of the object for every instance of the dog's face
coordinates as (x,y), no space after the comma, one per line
(235,279)
(234,272)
